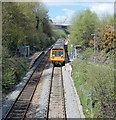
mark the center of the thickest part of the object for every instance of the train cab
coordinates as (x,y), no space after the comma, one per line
(57,56)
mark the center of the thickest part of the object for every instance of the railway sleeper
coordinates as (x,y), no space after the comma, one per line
(21,106)
(28,88)
(16,115)
(28,93)
(23,101)
(18,111)
(25,97)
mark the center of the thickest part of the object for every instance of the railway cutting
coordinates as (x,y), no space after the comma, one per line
(44,95)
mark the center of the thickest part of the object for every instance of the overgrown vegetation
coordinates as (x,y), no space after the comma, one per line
(95,86)
(23,22)
(94,83)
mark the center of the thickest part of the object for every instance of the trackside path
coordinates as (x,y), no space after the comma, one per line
(72,101)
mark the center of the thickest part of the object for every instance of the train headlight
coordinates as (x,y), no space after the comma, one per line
(62,56)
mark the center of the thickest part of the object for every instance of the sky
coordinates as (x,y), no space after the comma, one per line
(62,11)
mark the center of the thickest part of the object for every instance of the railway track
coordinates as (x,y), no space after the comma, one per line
(43,96)
(22,103)
(56,104)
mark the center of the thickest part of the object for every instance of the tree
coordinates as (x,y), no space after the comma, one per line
(83,25)
(19,27)
(20,23)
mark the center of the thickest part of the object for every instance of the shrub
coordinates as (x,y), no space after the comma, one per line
(95,86)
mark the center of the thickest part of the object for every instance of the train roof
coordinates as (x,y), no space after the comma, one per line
(58,47)
(59,44)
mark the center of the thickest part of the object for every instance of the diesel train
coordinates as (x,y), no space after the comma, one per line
(58,52)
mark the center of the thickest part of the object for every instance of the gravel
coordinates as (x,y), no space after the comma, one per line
(41,110)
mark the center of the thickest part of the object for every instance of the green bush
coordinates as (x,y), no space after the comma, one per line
(13,69)
(9,78)
(95,86)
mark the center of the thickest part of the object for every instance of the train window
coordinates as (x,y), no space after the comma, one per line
(60,53)
(57,53)
(53,53)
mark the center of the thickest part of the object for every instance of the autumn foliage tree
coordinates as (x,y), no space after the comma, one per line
(106,38)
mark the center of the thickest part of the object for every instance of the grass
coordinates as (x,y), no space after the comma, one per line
(95,86)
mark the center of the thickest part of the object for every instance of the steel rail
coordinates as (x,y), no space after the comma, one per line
(63,94)
(59,89)
(25,103)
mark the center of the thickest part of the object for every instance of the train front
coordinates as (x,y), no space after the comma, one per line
(57,56)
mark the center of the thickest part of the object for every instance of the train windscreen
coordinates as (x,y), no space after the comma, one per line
(57,53)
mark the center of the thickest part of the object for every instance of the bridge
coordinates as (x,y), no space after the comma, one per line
(63,26)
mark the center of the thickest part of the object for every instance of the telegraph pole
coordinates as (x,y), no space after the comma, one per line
(94,45)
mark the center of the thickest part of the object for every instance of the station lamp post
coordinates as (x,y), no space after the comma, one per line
(94,46)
